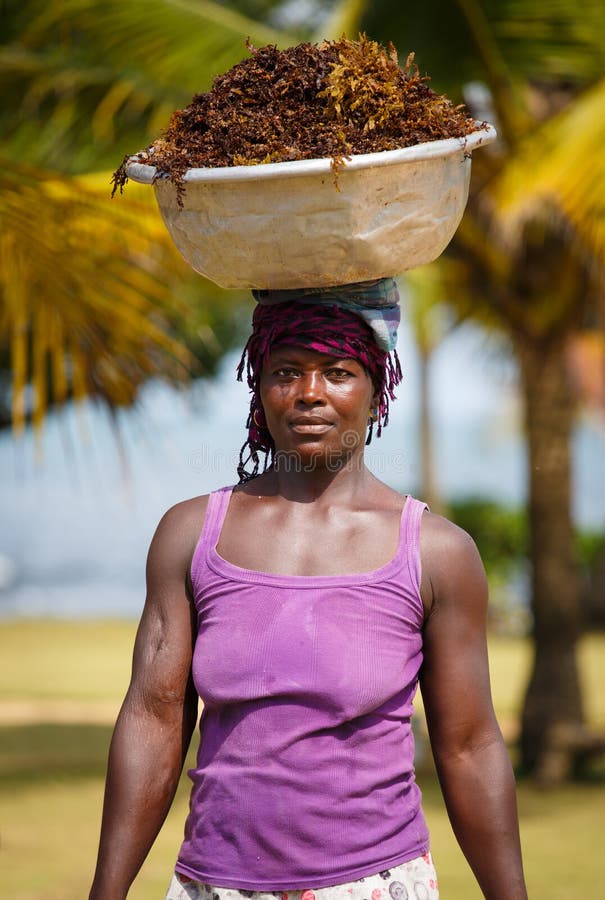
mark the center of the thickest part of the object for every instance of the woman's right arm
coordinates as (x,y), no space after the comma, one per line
(159,712)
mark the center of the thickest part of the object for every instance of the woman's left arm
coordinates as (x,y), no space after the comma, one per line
(470,755)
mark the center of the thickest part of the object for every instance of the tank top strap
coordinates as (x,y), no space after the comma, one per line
(411,518)
(216,510)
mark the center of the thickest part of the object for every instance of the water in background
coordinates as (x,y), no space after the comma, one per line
(76,527)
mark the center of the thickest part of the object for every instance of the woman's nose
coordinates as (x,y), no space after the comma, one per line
(311,388)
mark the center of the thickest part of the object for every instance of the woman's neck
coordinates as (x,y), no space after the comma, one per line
(306,484)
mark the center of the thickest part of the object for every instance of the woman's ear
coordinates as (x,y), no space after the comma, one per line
(374,405)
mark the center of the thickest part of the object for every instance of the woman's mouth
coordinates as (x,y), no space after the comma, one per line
(309,425)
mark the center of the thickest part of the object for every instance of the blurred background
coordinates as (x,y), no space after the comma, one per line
(118,394)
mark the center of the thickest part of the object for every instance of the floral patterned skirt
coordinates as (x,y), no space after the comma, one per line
(413,880)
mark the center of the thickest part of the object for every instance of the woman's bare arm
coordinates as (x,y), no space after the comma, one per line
(159,712)
(470,755)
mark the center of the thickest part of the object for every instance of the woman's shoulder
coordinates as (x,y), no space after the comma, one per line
(185,513)
(450,559)
(182,523)
(445,544)
(188,512)
(442,536)
(177,535)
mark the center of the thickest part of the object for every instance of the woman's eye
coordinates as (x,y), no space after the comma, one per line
(340,373)
(285,372)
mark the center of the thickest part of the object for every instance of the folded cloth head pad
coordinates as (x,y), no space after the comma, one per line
(376,302)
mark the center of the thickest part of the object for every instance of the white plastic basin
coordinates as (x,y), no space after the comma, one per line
(286,225)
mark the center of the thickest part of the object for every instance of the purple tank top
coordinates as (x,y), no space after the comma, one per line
(304,776)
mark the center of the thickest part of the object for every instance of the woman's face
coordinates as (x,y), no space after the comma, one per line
(316,406)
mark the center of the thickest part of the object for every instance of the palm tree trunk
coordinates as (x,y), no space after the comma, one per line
(552,716)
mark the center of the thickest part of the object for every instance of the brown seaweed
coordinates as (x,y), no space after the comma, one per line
(333,99)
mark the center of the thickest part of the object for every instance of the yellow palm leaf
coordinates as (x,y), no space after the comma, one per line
(560,170)
(90,285)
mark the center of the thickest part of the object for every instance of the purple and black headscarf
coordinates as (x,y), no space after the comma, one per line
(353,321)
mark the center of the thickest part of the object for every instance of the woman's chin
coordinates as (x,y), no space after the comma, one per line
(312,456)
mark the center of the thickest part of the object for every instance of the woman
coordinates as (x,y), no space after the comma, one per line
(303,606)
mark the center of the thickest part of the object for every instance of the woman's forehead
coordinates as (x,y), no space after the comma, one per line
(285,353)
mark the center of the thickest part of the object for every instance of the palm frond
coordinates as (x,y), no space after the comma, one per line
(84,74)
(552,40)
(87,287)
(560,167)
(175,43)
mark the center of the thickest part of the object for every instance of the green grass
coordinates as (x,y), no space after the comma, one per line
(51,772)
